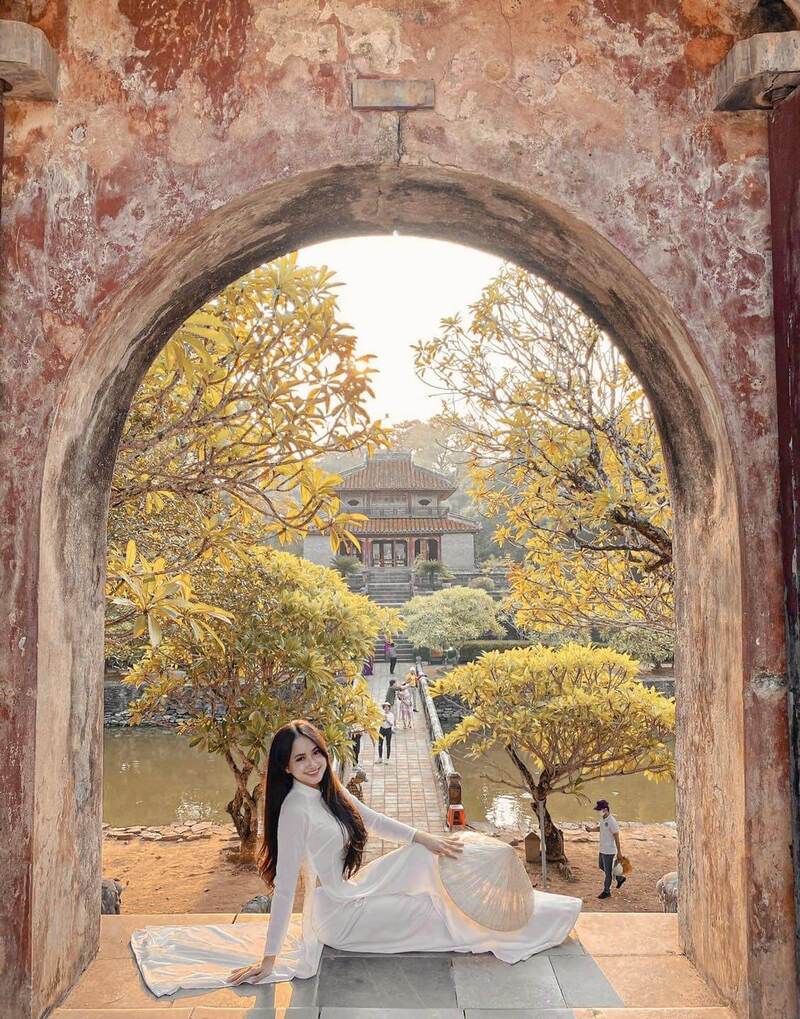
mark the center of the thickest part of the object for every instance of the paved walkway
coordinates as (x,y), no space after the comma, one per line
(407,787)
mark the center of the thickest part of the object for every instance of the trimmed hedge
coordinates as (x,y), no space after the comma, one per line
(482,584)
(475,648)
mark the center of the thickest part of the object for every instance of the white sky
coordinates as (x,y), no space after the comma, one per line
(397,289)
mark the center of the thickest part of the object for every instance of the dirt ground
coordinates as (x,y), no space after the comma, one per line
(202,876)
(652,850)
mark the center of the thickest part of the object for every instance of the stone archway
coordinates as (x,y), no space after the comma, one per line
(736,897)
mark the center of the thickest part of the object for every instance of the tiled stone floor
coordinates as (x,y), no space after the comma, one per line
(614,966)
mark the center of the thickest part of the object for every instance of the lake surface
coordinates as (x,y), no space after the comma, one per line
(632,797)
(155,777)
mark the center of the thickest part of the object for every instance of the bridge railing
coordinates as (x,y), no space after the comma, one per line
(449,778)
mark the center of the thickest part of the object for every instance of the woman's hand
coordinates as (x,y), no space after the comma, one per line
(249,974)
(440,845)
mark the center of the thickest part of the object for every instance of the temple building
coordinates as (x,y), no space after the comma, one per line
(407,517)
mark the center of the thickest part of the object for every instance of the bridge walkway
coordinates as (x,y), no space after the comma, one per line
(407,787)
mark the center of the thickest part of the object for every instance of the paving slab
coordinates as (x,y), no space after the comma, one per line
(654,985)
(115,931)
(656,981)
(582,982)
(113,983)
(654,1013)
(290,993)
(629,933)
(340,953)
(367,983)
(482,981)
(519,1013)
(117,1013)
(570,946)
(391,1013)
(251,1013)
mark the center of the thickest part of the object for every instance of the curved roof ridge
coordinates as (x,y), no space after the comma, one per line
(398,472)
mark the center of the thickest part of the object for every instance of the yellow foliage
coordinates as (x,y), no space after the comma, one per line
(220,447)
(570,715)
(563,448)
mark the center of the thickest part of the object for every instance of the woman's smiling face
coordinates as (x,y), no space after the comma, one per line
(307,763)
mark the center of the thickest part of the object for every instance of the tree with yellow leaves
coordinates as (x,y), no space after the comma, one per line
(219,450)
(294,648)
(565,716)
(563,448)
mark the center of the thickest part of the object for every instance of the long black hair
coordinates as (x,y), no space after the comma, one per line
(278,784)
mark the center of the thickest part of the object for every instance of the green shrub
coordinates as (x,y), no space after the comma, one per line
(346,565)
(427,569)
(475,648)
(643,644)
(482,584)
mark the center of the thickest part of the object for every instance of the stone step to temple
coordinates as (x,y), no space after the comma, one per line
(405,650)
(394,596)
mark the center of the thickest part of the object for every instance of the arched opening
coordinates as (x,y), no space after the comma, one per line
(716,801)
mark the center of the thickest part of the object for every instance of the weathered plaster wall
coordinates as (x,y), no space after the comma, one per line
(192,139)
(458,551)
(317,549)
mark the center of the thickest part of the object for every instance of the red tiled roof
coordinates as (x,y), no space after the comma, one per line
(408,526)
(394,472)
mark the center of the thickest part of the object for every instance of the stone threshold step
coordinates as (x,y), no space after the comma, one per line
(337,1012)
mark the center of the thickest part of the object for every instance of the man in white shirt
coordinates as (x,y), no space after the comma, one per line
(609,847)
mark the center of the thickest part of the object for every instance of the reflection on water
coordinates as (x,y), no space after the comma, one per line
(632,798)
(154,777)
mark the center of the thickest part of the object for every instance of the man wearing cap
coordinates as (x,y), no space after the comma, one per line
(609,847)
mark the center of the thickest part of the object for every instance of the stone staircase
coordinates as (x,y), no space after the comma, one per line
(389,586)
(405,650)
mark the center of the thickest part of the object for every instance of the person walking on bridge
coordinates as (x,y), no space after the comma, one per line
(404,703)
(385,734)
(412,682)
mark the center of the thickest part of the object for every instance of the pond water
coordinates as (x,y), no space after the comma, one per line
(155,777)
(632,797)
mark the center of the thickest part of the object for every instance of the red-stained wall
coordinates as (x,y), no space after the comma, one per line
(191,139)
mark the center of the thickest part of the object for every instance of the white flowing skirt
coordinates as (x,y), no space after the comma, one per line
(403,907)
(395,904)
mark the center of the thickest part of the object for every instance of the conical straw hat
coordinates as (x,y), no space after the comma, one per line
(488,883)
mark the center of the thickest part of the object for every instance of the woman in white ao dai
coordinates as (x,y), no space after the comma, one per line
(394,904)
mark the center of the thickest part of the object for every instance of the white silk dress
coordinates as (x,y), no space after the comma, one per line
(396,903)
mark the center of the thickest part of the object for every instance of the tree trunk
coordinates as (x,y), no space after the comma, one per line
(246,824)
(553,836)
